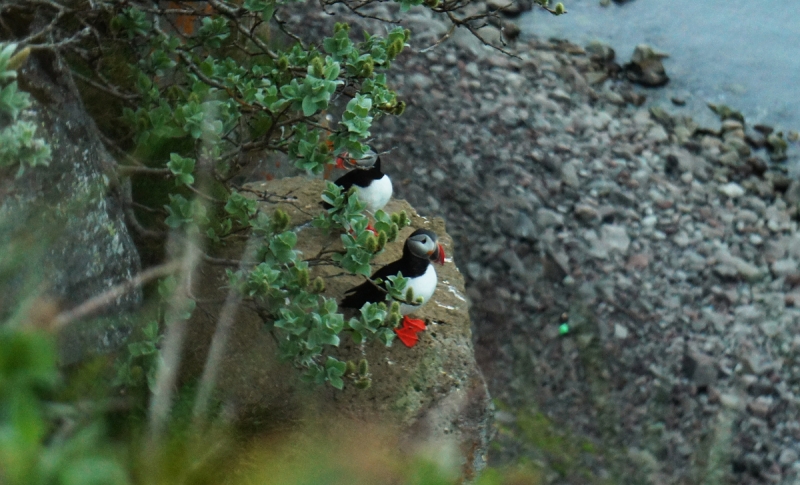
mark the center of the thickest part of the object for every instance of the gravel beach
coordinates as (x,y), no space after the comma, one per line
(634,278)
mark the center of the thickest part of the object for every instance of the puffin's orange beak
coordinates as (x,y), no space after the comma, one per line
(340,163)
(438,255)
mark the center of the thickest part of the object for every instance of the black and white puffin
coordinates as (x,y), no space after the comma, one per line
(420,249)
(374,188)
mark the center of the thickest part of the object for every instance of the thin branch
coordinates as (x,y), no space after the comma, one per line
(108,89)
(128,170)
(102,300)
(167,373)
(227,315)
(234,14)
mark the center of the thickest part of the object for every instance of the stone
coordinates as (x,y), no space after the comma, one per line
(788,457)
(524,228)
(569,174)
(700,368)
(760,406)
(68,216)
(731,266)
(431,393)
(657,134)
(732,190)
(646,67)
(784,267)
(549,218)
(620,331)
(586,212)
(615,237)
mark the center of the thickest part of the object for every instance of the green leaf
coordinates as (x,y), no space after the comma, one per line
(309,106)
(13,101)
(182,168)
(282,246)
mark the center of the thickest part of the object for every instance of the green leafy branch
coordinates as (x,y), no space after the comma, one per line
(18,142)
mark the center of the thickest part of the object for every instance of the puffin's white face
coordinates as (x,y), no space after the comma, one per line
(367,161)
(424,244)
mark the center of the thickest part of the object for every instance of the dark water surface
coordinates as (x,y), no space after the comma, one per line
(742,53)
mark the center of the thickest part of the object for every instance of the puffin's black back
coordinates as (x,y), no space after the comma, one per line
(409,264)
(359,176)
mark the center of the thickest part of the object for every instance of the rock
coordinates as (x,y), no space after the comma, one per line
(760,406)
(646,67)
(524,228)
(700,368)
(784,267)
(777,147)
(431,393)
(657,134)
(729,159)
(600,52)
(615,237)
(732,190)
(788,457)
(585,212)
(732,266)
(620,331)
(559,94)
(569,174)
(509,7)
(548,218)
(792,194)
(67,216)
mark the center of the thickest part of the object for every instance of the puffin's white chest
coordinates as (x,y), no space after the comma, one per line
(377,194)
(423,286)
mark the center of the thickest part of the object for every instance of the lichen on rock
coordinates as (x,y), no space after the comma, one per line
(64,219)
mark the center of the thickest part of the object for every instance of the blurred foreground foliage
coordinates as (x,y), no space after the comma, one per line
(69,428)
(189,94)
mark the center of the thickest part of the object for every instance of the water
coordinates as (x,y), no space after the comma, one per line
(742,53)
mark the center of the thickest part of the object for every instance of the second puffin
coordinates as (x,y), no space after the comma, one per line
(374,188)
(421,248)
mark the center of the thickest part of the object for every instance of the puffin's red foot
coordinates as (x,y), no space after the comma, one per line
(408,332)
(407,336)
(417,324)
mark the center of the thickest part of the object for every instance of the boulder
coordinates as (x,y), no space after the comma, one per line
(646,67)
(66,218)
(432,393)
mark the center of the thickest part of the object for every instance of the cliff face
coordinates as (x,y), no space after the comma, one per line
(431,393)
(62,225)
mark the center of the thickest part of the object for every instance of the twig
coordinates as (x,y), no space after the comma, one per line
(167,373)
(220,340)
(102,300)
(128,170)
(108,89)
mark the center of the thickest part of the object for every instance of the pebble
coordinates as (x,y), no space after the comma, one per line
(548,218)
(732,190)
(685,229)
(788,457)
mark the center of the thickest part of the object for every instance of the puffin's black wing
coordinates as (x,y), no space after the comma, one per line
(369,291)
(349,179)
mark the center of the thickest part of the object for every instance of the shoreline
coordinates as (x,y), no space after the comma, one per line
(674,260)
(558,199)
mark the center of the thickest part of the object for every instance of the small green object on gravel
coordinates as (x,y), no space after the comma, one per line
(563,329)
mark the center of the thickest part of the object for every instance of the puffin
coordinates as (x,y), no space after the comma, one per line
(374,188)
(420,250)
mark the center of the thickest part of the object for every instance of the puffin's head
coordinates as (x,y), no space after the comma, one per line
(367,161)
(424,244)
